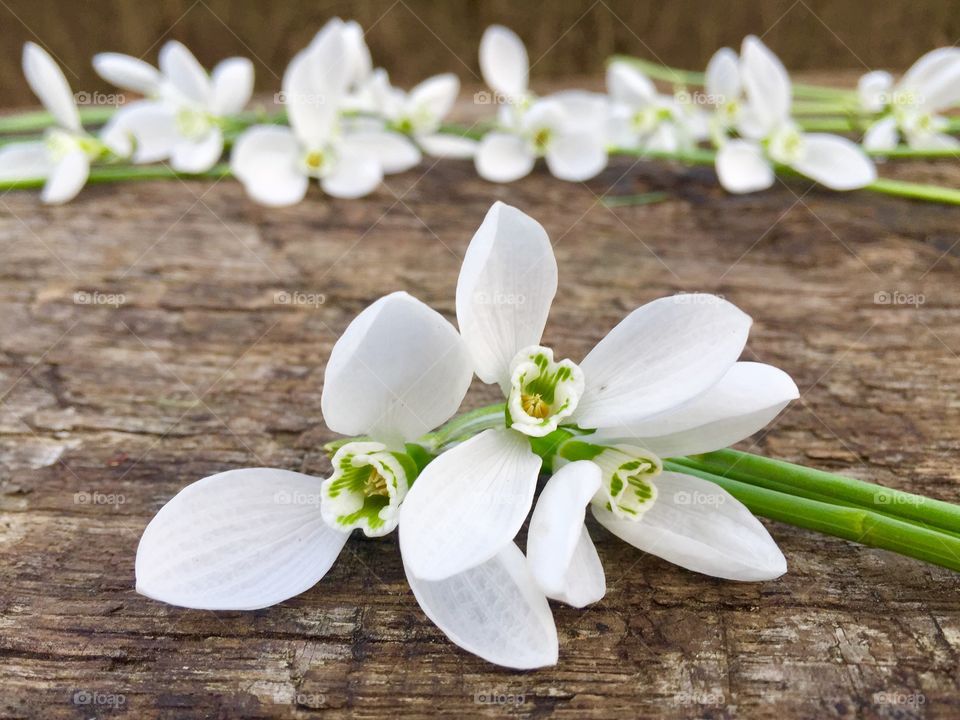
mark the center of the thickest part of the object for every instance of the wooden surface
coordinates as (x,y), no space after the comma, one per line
(181,360)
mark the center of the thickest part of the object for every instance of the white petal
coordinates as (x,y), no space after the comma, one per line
(660,356)
(448,146)
(723,76)
(766,82)
(238,540)
(398,371)
(586,112)
(934,80)
(194,156)
(358,53)
(836,162)
(266,160)
(357,173)
(503,158)
(24,161)
(494,610)
(185,73)
(48,83)
(434,97)
(506,285)
(932,141)
(468,504)
(576,157)
(882,135)
(742,167)
(504,62)
(874,90)
(560,553)
(128,72)
(628,85)
(150,128)
(395,153)
(313,85)
(701,527)
(743,402)
(66,178)
(232,82)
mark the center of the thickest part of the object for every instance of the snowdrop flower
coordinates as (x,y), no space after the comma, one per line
(910,107)
(505,67)
(250,538)
(566,129)
(64,155)
(549,129)
(420,112)
(725,93)
(663,382)
(275,163)
(187,109)
(640,117)
(770,136)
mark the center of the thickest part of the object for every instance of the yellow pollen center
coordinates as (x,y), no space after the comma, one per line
(314,160)
(375,484)
(534,406)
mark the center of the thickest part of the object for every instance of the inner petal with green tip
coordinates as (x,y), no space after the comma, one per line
(627,488)
(367,486)
(542,392)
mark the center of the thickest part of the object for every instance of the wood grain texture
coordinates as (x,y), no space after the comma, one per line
(145,344)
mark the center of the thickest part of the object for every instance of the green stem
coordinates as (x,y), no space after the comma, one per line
(118,173)
(859,525)
(41,119)
(754,468)
(656,71)
(898,188)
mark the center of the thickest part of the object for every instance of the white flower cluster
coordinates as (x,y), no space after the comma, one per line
(665,382)
(346,126)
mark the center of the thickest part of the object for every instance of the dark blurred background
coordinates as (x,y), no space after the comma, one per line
(415,38)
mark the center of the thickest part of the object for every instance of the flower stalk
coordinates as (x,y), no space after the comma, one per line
(855,510)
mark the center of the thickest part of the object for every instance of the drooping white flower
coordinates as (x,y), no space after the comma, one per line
(420,112)
(641,117)
(275,163)
(186,109)
(770,136)
(250,538)
(549,129)
(64,155)
(567,129)
(724,93)
(663,382)
(910,108)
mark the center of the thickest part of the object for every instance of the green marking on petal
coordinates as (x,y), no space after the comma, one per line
(367,486)
(542,392)
(627,489)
